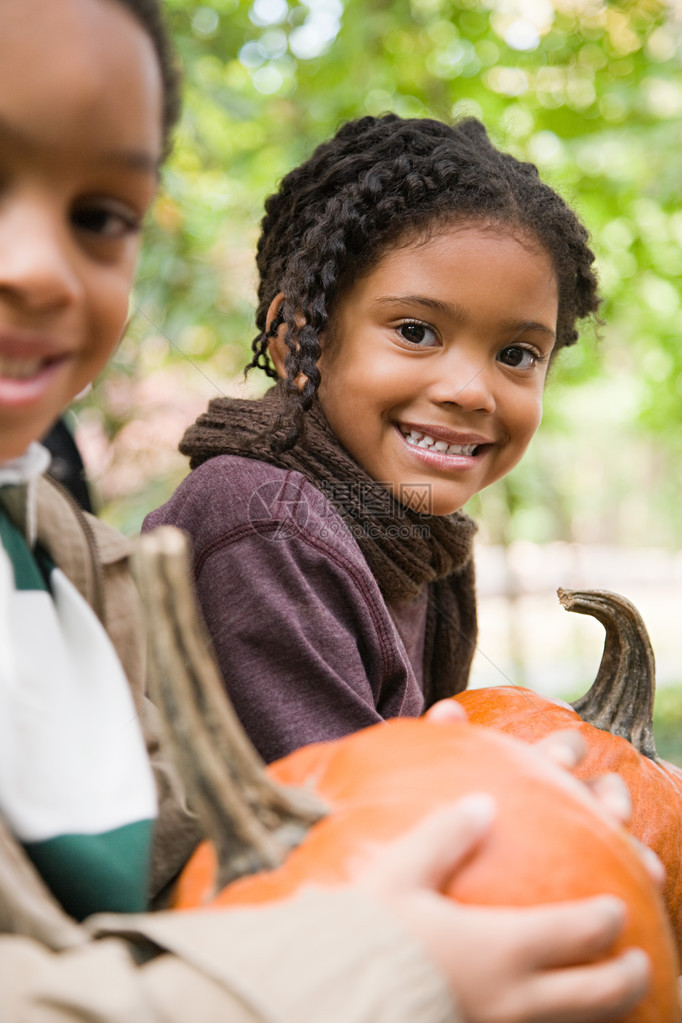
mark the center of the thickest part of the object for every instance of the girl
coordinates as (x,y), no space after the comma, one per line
(414,284)
(87,95)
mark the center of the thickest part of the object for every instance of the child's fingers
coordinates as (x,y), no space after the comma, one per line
(565,747)
(613,795)
(653,865)
(428,854)
(446,710)
(596,992)
(562,934)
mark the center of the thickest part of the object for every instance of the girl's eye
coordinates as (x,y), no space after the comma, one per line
(418,334)
(106,221)
(519,357)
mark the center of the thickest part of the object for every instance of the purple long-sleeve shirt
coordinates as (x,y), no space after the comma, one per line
(308,647)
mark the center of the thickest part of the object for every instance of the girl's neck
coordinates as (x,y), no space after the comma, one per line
(26,467)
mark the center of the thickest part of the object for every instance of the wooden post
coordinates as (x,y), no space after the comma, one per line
(252,821)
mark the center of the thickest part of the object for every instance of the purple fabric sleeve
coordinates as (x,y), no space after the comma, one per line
(305,641)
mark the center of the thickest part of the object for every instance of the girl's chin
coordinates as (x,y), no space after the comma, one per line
(421,498)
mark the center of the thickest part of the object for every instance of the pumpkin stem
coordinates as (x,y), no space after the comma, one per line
(621,699)
(252,821)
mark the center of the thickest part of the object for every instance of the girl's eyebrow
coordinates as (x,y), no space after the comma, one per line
(456,313)
(127,157)
(135,159)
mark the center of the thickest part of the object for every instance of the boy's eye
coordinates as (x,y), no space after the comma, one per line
(418,334)
(111,221)
(519,357)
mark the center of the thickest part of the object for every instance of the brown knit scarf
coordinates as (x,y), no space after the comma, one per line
(402,558)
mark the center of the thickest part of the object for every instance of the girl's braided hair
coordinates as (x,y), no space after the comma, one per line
(150,17)
(383,181)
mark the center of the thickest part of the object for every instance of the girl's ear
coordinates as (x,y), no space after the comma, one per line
(277,346)
(276,330)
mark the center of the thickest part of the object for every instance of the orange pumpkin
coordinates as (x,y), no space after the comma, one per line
(550,842)
(616,720)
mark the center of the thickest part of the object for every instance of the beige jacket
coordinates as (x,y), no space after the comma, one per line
(332,957)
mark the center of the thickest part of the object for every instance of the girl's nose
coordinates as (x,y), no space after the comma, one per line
(36,257)
(465,381)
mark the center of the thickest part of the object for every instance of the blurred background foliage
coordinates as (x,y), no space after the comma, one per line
(590,91)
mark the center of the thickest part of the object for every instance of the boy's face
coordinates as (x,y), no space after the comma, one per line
(80,143)
(436,363)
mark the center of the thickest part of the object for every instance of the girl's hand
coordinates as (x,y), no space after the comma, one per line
(567,748)
(546,964)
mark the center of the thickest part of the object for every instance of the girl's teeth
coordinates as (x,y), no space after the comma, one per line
(423,440)
(19,369)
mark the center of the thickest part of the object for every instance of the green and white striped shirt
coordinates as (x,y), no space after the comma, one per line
(75,782)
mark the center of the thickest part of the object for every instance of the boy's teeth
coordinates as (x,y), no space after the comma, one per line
(19,369)
(423,440)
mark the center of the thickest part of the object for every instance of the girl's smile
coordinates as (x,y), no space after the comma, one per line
(28,365)
(433,370)
(438,441)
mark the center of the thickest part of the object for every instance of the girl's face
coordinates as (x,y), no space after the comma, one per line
(80,144)
(432,377)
